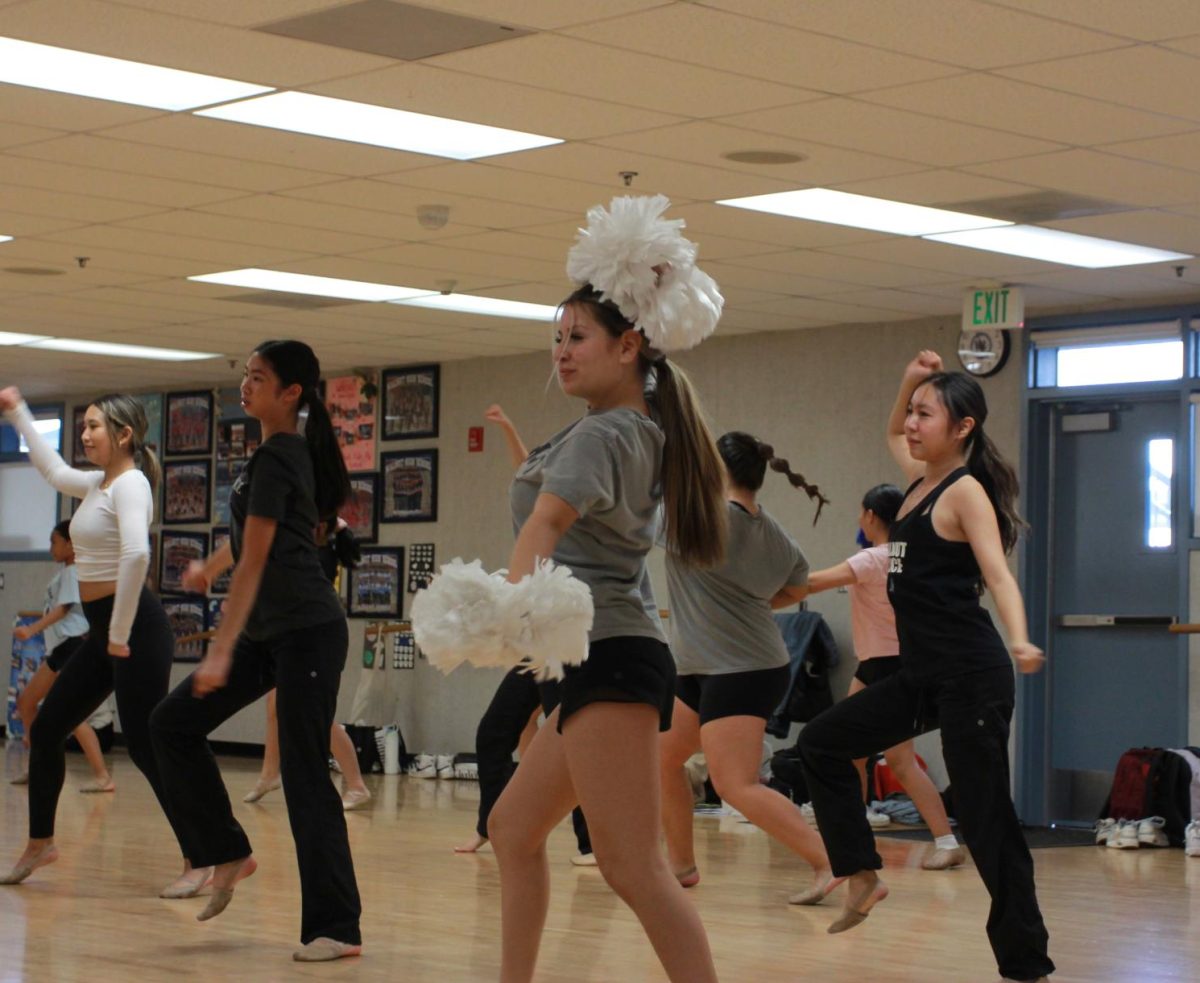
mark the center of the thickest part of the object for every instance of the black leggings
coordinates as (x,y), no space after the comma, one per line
(305,669)
(499,733)
(973,712)
(140,682)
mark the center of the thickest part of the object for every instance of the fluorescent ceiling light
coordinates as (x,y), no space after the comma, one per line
(42,66)
(397,129)
(1055,246)
(120,351)
(494,306)
(11,338)
(5,238)
(301,283)
(862,212)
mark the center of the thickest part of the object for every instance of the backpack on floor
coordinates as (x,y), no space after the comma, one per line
(1132,792)
(881,782)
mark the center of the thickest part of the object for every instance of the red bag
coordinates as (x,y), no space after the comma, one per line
(882,783)
(1133,785)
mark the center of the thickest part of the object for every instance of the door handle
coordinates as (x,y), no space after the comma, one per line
(1116,620)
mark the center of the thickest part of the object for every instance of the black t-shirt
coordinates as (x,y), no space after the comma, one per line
(933,584)
(279,484)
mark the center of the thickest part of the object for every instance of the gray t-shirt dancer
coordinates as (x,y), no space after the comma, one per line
(721,619)
(607,467)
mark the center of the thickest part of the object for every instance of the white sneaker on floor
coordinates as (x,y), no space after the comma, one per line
(807,814)
(444,763)
(1104,829)
(877,820)
(1125,836)
(423,766)
(1191,839)
(1151,832)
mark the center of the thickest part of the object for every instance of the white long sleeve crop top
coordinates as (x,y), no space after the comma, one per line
(110,530)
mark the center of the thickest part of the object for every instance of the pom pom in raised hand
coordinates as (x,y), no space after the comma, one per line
(639,260)
(468,615)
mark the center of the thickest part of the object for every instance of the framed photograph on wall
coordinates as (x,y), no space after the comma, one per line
(410,402)
(189,423)
(220,536)
(361,510)
(79,457)
(351,401)
(408,486)
(375,589)
(187,618)
(178,550)
(227,474)
(186,487)
(214,607)
(152,570)
(152,404)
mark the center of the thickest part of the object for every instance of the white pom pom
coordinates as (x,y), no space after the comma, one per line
(640,261)
(462,617)
(555,611)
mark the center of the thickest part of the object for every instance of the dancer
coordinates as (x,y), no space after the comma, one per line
(510,721)
(337,549)
(283,627)
(65,629)
(873,627)
(733,668)
(589,498)
(948,541)
(129,647)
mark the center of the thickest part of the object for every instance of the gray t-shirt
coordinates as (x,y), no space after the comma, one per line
(721,618)
(607,466)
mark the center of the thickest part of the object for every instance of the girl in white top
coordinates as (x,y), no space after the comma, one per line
(873,625)
(130,646)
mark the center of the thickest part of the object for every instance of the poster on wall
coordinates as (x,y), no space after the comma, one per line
(186,491)
(409,486)
(410,402)
(186,616)
(375,589)
(189,423)
(178,550)
(351,401)
(361,510)
(220,584)
(227,473)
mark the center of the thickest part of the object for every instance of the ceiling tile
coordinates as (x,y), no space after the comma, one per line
(840,268)
(772,231)
(210,254)
(57,204)
(16,134)
(236,13)
(453,261)
(1164,230)
(937,187)
(1141,21)
(1181,150)
(543,14)
(944,259)
(203,225)
(36,107)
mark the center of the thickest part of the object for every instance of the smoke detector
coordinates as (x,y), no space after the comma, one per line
(433,216)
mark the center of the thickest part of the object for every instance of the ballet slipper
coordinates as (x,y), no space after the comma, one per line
(21,779)
(98,785)
(221,896)
(188,884)
(688,877)
(356,798)
(27,865)
(472,845)
(260,789)
(858,907)
(823,885)
(323,950)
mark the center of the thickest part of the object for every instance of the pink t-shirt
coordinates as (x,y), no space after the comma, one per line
(872,620)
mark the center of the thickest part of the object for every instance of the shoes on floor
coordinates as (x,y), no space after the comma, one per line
(1104,829)
(95,785)
(945,859)
(877,820)
(260,789)
(356,798)
(423,766)
(1125,835)
(21,779)
(1191,839)
(1151,832)
(444,765)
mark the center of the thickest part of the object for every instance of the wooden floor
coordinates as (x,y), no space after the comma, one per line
(432,917)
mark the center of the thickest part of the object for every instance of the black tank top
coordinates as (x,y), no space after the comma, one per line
(933,584)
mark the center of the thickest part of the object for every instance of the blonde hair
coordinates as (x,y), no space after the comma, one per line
(121,411)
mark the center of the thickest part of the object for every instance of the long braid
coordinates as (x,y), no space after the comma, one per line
(780,466)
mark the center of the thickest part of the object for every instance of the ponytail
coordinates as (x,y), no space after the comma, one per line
(747,458)
(693,479)
(963,397)
(147,460)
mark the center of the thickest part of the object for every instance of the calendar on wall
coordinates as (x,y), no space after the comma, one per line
(404,650)
(420,566)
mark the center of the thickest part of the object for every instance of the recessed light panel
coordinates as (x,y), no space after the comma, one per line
(319,286)
(493,306)
(1055,246)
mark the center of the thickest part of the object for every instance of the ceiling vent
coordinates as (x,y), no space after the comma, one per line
(393,30)
(1038,206)
(293,302)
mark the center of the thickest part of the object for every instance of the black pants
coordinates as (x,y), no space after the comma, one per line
(499,733)
(140,682)
(305,668)
(973,712)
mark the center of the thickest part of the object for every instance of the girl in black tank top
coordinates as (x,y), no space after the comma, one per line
(955,672)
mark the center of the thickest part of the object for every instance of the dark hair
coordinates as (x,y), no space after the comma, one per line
(747,459)
(693,481)
(341,540)
(884,501)
(63,529)
(296,364)
(121,411)
(963,397)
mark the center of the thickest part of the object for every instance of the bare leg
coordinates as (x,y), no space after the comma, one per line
(675,747)
(902,759)
(733,747)
(90,743)
(268,778)
(356,793)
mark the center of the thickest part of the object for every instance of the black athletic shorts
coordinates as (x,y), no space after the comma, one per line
(63,651)
(628,669)
(755,693)
(871,671)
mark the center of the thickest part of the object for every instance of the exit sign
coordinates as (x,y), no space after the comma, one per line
(995,307)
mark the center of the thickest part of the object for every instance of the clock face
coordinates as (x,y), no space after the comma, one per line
(983,351)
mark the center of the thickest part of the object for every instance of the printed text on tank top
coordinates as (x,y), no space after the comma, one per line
(924,508)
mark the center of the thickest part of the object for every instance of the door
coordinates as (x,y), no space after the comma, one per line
(1114,670)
